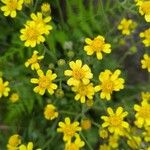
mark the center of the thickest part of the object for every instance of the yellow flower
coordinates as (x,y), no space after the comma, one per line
(134,142)
(4,89)
(146,134)
(13,142)
(83,92)
(145,96)
(44,82)
(11,6)
(103,133)
(46,8)
(113,141)
(97,46)
(86,124)
(144,9)
(42,22)
(28,2)
(69,129)
(104,147)
(14,97)
(146,36)
(115,121)
(49,112)
(28,147)
(126,26)
(33,61)
(146,62)
(89,102)
(78,73)
(76,145)
(142,114)
(109,82)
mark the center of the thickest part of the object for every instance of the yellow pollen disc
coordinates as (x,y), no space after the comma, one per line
(69,130)
(107,86)
(97,45)
(146,7)
(78,74)
(115,120)
(32,34)
(145,112)
(44,82)
(12,5)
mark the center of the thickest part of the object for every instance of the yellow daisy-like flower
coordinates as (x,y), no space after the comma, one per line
(115,121)
(146,96)
(134,142)
(103,133)
(146,134)
(78,73)
(97,46)
(50,112)
(144,9)
(146,62)
(109,82)
(104,147)
(113,141)
(76,145)
(142,114)
(4,89)
(32,34)
(13,142)
(126,26)
(146,37)
(86,124)
(42,22)
(44,82)
(11,6)
(33,61)
(28,147)
(14,97)
(84,92)
(69,129)
(46,8)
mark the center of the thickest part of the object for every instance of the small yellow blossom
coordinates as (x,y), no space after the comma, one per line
(103,133)
(4,89)
(11,6)
(28,147)
(78,73)
(146,134)
(146,37)
(69,129)
(146,62)
(126,26)
(134,142)
(50,112)
(14,97)
(44,82)
(113,141)
(89,102)
(76,145)
(86,124)
(146,96)
(83,92)
(33,61)
(142,114)
(104,147)
(109,82)
(97,46)
(28,2)
(13,142)
(46,8)
(115,121)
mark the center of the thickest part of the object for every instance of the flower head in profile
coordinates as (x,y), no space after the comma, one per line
(83,92)
(142,114)
(50,112)
(126,26)
(109,82)
(33,61)
(45,82)
(69,129)
(103,133)
(113,141)
(78,73)
(4,89)
(13,142)
(11,6)
(146,62)
(45,8)
(134,142)
(77,144)
(14,97)
(115,121)
(146,37)
(98,46)
(86,124)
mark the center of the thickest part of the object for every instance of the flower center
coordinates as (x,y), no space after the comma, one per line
(32,34)
(50,113)
(115,120)
(33,59)
(145,112)
(78,74)
(69,130)
(44,82)
(12,5)
(72,146)
(146,7)
(108,86)
(97,45)
(83,90)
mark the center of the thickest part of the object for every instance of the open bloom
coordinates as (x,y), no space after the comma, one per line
(11,6)
(50,112)
(142,114)
(78,73)
(14,97)
(115,121)
(126,26)
(84,92)
(4,89)
(33,61)
(98,46)
(69,129)
(146,37)
(146,62)
(109,82)
(45,82)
